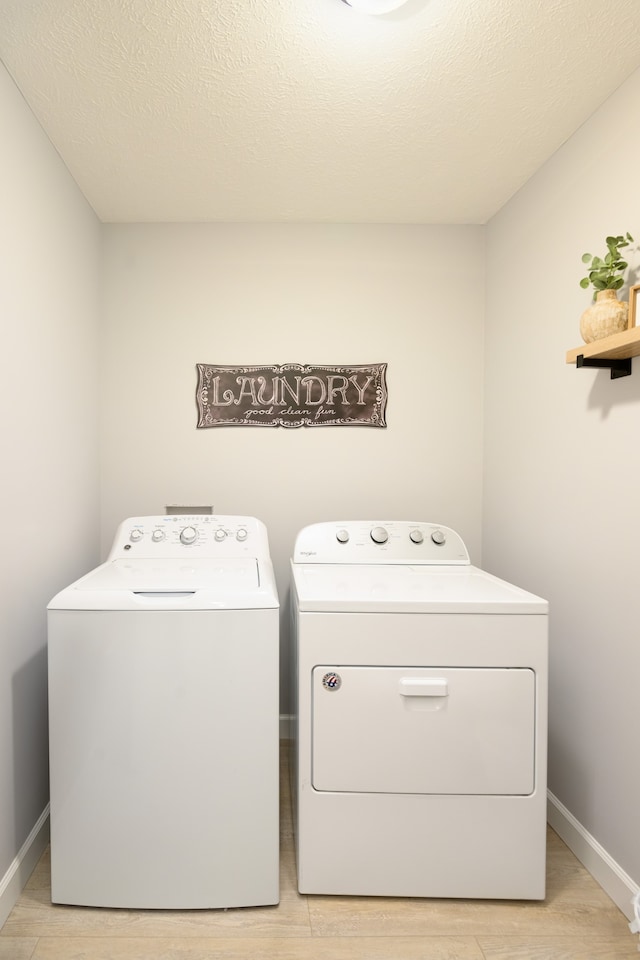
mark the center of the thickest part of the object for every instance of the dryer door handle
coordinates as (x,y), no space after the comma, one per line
(424,687)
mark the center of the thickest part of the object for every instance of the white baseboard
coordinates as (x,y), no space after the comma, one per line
(14,880)
(602,867)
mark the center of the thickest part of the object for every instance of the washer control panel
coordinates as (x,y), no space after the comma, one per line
(396,541)
(181,536)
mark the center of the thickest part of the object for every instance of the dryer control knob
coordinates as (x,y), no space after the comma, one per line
(136,535)
(220,534)
(242,534)
(438,537)
(188,534)
(342,536)
(416,536)
(379,535)
(157,536)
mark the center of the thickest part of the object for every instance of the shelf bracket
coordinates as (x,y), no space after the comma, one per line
(619,368)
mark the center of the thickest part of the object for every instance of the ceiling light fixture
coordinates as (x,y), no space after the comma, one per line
(375,6)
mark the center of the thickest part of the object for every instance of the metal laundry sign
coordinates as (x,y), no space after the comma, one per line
(291,395)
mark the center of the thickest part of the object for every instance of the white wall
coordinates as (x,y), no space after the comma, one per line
(562,462)
(49,293)
(178,295)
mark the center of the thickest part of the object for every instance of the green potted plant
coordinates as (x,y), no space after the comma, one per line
(607,315)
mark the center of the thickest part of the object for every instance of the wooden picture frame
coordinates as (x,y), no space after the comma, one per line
(633,300)
(291,395)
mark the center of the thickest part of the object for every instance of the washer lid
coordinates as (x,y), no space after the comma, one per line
(170,584)
(397,588)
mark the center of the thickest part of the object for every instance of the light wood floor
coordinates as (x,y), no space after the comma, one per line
(577,921)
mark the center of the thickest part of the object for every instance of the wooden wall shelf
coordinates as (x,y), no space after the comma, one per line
(613,352)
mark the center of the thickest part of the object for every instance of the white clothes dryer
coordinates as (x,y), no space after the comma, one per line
(164,720)
(420,718)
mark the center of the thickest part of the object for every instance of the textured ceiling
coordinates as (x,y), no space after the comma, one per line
(307,110)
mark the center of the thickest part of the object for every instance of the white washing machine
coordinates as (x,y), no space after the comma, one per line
(421,718)
(164,720)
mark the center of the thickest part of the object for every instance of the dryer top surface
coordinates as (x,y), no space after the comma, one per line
(397,566)
(397,588)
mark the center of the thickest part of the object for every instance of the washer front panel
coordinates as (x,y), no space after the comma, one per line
(164,758)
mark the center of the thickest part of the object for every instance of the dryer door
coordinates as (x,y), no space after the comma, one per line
(442,730)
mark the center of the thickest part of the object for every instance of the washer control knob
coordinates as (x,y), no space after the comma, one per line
(342,536)
(379,535)
(242,534)
(220,534)
(136,535)
(188,535)
(438,537)
(157,536)
(416,536)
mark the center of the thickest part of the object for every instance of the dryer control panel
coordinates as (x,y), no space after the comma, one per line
(380,541)
(196,536)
